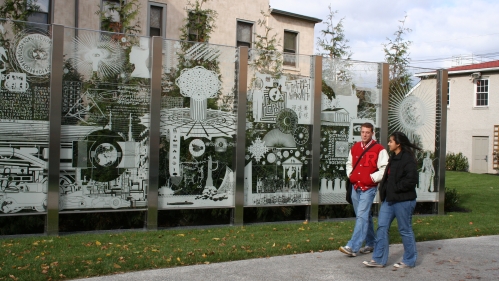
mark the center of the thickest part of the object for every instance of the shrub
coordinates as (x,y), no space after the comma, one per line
(456,162)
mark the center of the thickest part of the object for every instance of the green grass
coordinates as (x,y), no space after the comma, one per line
(84,255)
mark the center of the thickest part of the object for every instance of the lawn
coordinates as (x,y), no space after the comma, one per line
(85,255)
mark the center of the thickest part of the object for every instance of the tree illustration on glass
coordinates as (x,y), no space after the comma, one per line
(199,84)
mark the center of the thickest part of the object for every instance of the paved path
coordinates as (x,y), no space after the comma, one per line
(474,258)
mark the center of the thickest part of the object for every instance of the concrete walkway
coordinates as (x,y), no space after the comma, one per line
(474,258)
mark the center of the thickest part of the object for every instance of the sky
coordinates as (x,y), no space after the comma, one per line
(441,29)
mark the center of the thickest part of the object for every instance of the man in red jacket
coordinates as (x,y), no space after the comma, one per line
(364,181)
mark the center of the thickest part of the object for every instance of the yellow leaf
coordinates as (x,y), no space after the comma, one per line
(204,255)
(155,250)
(305,222)
(35,244)
(216,239)
(273,245)
(181,235)
(178,259)
(206,262)
(116,265)
(99,259)
(98,243)
(331,238)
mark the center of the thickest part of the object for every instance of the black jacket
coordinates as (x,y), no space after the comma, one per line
(400,179)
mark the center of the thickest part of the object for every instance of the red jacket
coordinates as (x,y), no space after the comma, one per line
(361,176)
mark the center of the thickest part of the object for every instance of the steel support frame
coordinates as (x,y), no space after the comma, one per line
(55,118)
(238,161)
(441,136)
(154,133)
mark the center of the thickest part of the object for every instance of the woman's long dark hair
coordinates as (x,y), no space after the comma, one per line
(405,143)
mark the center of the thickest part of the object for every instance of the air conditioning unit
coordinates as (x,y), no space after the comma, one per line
(475,75)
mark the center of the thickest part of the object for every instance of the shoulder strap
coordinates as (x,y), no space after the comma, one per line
(362,154)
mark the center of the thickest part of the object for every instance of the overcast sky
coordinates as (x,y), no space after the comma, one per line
(441,29)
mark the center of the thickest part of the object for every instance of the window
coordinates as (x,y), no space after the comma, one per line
(290,48)
(482,92)
(114,16)
(157,20)
(244,34)
(43,14)
(448,93)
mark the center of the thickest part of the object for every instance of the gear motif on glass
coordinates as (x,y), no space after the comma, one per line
(287,120)
(198,83)
(301,135)
(258,149)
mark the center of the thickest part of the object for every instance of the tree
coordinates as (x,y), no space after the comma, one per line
(18,9)
(268,59)
(333,40)
(397,55)
(199,22)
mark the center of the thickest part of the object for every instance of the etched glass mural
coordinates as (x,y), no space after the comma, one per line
(279,127)
(351,96)
(413,111)
(25,60)
(198,125)
(105,117)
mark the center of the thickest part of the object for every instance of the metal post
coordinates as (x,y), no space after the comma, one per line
(154,132)
(384,84)
(385,91)
(238,211)
(55,118)
(313,211)
(441,136)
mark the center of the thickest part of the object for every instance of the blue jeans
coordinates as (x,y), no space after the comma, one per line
(403,212)
(364,227)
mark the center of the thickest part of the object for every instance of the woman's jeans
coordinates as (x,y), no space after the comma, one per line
(403,212)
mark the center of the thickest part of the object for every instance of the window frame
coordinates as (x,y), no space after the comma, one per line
(163,17)
(251,33)
(448,93)
(476,93)
(284,53)
(102,7)
(48,13)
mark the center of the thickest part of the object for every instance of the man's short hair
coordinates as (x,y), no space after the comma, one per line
(368,125)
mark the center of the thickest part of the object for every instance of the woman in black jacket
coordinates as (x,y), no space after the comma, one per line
(398,196)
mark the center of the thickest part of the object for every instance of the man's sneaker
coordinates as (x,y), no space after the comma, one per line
(372,264)
(348,251)
(366,250)
(401,265)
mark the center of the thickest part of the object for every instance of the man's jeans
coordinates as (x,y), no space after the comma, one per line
(403,212)
(364,227)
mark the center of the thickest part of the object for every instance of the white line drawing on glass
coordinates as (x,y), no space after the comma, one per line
(33,54)
(82,107)
(139,56)
(257,149)
(426,175)
(197,148)
(98,53)
(412,111)
(16,82)
(3,55)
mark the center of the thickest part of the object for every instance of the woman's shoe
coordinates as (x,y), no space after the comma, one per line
(372,263)
(401,265)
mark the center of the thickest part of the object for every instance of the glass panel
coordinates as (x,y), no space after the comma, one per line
(156,16)
(38,18)
(413,111)
(198,126)
(351,95)
(42,4)
(279,128)
(25,58)
(105,118)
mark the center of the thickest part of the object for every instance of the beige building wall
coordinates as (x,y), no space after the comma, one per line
(464,121)
(229,12)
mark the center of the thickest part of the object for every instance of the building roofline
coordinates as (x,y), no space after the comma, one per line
(293,15)
(488,69)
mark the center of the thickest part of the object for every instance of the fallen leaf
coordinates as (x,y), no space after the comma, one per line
(305,222)
(178,259)
(216,239)
(116,265)
(181,234)
(471,222)
(273,245)
(98,243)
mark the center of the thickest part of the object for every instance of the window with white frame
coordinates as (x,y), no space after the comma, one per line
(448,93)
(157,19)
(108,7)
(42,15)
(244,34)
(482,92)
(290,48)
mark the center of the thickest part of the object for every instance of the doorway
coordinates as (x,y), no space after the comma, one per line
(480,155)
